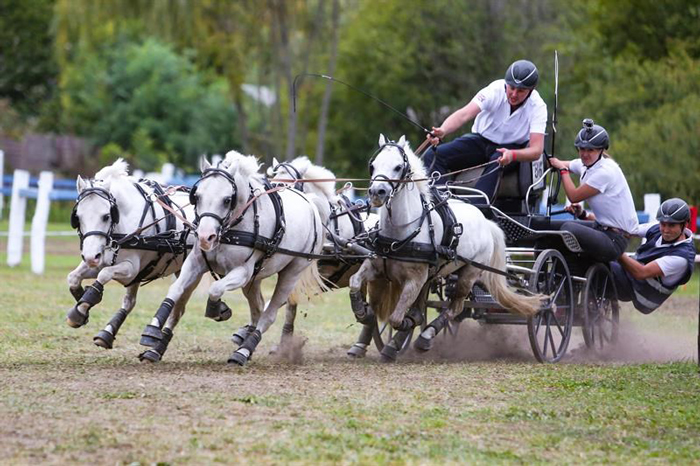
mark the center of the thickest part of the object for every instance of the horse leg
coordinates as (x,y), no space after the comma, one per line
(156,353)
(359,348)
(105,337)
(286,281)
(363,311)
(256,303)
(465,281)
(192,270)
(76,277)
(409,320)
(287,328)
(79,314)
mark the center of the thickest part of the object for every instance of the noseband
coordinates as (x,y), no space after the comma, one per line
(113,214)
(208,173)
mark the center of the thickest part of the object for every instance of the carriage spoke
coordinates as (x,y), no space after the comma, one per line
(554,347)
(547,332)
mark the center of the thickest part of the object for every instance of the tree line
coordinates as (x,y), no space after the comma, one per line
(159,80)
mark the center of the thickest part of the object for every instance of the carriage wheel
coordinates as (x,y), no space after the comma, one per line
(384,332)
(550,329)
(601,311)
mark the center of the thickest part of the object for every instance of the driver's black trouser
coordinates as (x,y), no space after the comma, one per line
(599,244)
(467,151)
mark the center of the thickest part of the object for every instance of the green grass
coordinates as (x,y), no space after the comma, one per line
(63,400)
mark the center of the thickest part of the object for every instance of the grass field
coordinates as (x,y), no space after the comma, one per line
(478,399)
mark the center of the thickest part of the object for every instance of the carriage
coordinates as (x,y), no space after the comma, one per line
(541,258)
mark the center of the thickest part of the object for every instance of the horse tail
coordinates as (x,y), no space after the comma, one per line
(497,285)
(383,297)
(310,284)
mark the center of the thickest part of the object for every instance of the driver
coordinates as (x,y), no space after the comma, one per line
(662,263)
(604,186)
(510,124)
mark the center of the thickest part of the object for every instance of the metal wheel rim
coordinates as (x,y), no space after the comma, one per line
(600,329)
(550,330)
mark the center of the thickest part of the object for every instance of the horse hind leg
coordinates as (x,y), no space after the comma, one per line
(287,329)
(465,281)
(285,284)
(105,337)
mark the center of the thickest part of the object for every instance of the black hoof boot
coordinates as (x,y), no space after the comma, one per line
(153,334)
(150,355)
(389,352)
(217,310)
(241,334)
(103,339)
(363,311)
(423,344)
(359,349)
(243,354)
(77,319)
(156,353)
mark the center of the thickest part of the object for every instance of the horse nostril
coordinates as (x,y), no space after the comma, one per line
(211,238)
(381,192)
(97,256)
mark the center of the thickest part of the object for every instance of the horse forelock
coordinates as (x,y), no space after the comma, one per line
(119,169)
(416,165)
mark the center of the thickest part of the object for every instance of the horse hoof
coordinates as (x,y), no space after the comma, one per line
(75,318)
(238,358)
(423,344)
(389,353)
(151,336)
(149,356)
(275,349)
(357,351)
(103,339)
(226,315)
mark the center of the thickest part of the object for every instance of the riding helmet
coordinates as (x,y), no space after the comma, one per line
(522,74)
(592,136)
(673,210)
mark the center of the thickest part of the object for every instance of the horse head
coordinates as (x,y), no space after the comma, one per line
(392,166)
(217,194)
(95,213)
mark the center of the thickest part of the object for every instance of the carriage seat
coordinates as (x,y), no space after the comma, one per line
(513,185)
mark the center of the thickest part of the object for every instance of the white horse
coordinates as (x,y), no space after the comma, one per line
(240,235)
(397,284)
(346,221)
(111,206)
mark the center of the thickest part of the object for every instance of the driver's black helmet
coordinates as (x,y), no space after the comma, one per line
(592,136)
(522,74)
(673,210)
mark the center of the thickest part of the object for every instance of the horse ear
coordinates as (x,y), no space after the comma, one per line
(382,140)
(80,184)
(274,162)
(402,141)
(204,163)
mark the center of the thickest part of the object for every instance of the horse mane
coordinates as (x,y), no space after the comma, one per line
(309,171)
(418,169)
(246,165)
(118,169)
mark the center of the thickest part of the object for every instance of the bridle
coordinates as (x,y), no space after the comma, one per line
(113,214)
(223,221)
(396,184)
(292,172)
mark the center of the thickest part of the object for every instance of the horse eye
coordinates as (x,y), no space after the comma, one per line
(371,169)
(105,218)
(397,168)
(227,201)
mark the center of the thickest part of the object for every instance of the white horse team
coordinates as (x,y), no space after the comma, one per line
(246,230)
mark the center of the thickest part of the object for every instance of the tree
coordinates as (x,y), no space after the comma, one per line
(27,67)
(151,102)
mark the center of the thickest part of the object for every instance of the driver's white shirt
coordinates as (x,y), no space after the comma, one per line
(497,124)
(673,267)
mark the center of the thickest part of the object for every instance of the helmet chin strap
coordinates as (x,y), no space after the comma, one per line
(600,156)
